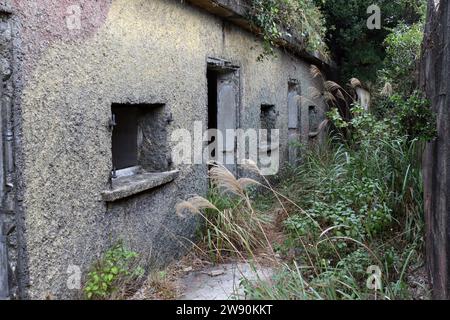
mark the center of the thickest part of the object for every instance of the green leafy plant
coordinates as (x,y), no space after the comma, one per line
(403,47)
(289,18)
(115,272)
(336,118)
(414,115)
(350,205)
(358,51)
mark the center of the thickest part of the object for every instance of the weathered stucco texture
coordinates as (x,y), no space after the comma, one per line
(143,51)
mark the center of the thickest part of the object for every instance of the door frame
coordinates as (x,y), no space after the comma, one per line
(226,68)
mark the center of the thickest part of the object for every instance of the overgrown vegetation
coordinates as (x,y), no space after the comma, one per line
(403,46)
(352,208)
(366,192)
(396,96)
(279,19)
(232,224)
(115,275)
(358,51)
(411,114)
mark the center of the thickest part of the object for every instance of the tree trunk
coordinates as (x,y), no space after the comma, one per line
(4,287)
(434,80)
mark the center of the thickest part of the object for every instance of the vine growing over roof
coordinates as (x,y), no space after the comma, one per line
(300,19)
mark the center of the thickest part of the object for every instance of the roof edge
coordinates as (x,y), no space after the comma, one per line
(236,11)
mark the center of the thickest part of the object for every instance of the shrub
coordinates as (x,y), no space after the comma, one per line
(299,18)
(358,51)
(414,115)
(403,47)
(117,270)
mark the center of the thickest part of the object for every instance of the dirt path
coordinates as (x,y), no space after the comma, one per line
(221,282)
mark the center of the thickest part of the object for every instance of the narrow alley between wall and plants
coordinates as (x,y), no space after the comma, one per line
(346,219)
(224,150)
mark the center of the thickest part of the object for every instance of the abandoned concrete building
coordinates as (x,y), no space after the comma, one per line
(87,111)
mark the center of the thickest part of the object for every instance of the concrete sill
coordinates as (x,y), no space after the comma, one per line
(267,148)
(4,8)
(128,186)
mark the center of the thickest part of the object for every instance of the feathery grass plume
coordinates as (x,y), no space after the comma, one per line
(332,91)
(387,90)
(194,205)
(246,182)
(329,97)
(224,180)
(322,126)
(354,82)
(331,86)
(227,182)
(251,166)
(315,71)
(340,95)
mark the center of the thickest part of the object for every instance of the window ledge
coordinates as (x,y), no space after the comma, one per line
(128,186)
(268,148)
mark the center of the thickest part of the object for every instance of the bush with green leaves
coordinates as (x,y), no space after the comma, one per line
(403,46)
(354,204)
(116,270)
(367,128)
(364,127)
(410,117)
(413,115)
(358,51)
(279,18)
(365,192)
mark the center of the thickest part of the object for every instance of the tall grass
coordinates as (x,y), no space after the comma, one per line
(231,226)
(349,206)
(369,200)
(355,202)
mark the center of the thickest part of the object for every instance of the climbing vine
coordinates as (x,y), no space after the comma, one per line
(289,18)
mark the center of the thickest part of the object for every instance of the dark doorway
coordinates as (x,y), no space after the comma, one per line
(294,120)
(212,76)
(223,108)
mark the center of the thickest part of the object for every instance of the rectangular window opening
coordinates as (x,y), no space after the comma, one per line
(124,137)
(268,119)
(139,138)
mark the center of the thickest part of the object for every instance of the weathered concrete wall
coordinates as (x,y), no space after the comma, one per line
(128,51)
(434,79)
(8,218)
